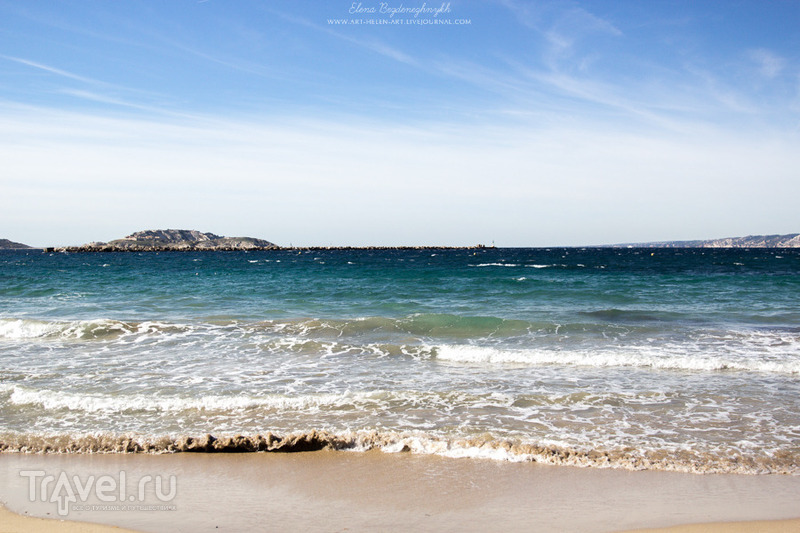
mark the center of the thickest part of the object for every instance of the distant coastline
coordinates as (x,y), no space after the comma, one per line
(171,240)
(791,240)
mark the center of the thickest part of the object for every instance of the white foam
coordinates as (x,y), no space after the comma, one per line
(20,329)
(90,403)
(647,357)
(32,329)
(26,329)
(454,449)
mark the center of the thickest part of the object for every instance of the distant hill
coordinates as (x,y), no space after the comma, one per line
(173,240)
(5,244)
(791,240)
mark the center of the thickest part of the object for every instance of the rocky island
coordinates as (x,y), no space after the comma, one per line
(172,240)
(192,241)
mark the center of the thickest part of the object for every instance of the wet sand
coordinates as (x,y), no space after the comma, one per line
(766,526)
(15,523)
(373,491)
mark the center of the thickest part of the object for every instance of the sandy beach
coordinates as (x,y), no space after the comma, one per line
(374,491)
(14,523)
(763,526)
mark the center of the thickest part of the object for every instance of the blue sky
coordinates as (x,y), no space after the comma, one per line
(526,123)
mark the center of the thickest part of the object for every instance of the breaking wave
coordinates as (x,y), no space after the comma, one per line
(92,403)
(480,447)
(100,329)
(786,362)
(459,339)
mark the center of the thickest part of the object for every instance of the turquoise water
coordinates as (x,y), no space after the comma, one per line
(637,358)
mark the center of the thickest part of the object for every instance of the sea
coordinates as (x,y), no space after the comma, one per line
(664,359)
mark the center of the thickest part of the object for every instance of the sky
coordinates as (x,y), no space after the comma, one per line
(513,122)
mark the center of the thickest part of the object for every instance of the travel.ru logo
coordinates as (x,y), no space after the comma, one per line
(113,493)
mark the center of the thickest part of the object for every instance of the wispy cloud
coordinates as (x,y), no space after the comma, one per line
(571,38)
(576,63)
(103,92)
(121,102)
(585,22)
(563,17)
(768,64)
(53,70)
(218,172)
(370,44)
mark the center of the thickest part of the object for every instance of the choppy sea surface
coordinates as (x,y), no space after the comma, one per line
(672,359)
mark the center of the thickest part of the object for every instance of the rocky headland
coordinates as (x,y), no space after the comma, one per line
(5,244)
(172,240)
